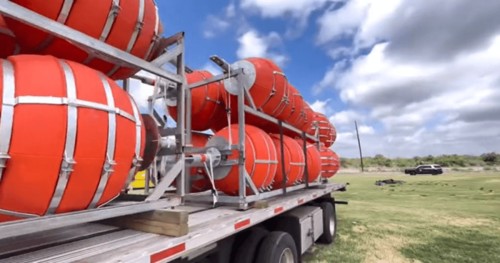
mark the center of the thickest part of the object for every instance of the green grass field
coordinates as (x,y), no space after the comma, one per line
(454,217)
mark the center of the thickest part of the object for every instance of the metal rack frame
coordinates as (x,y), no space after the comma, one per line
(242,200)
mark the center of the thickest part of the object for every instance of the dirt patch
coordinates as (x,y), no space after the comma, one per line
(359,229)
(464,221)
(386,250)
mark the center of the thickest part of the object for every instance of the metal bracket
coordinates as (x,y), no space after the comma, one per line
(251,184)
(166,181)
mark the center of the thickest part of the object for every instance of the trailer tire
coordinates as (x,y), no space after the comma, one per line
(278,247)
(329,223)
(245,252)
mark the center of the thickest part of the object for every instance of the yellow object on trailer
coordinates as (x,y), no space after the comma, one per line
(140,181)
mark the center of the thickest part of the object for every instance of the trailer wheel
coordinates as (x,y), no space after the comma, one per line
(278,247)
(329,223)
(245,252)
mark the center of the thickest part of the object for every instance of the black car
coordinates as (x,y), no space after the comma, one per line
(433,169)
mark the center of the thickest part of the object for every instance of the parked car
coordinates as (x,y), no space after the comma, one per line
(433,169)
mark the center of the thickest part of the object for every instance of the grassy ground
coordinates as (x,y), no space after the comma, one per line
(454,217)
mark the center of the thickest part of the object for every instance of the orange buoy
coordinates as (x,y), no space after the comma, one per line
(78,131)
(267,86)
(313,161)
(335,164)
(293,160)
(260,164)
(297,116)
(332,136)
(9,46)
(329,162)
(199,180)
(326,132)
(132,26)
(207,109)
(308,118)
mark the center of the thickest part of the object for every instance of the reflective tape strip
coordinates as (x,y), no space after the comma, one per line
(278,210)
(46,100)
(138,130)
(68,160)
(62,18)
(135,34)
(241,224)
(107,168)
(167,253)
(7,113)
(113,13)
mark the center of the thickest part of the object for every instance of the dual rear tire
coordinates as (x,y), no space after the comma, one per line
(259,245)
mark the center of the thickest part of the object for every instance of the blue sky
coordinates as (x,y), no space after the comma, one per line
(306,61)
(418,79)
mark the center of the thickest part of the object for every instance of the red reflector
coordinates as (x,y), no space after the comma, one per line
(157,257)
(278,210)
(241,224)
(300,201)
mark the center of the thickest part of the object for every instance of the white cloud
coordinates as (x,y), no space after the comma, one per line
(252,44)
(215,25)
(277,8)
(427,77)
(322,106)
(298,10)
(346,117)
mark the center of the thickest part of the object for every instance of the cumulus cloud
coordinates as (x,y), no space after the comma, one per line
(298,10)
(253,44)
(322,106)
(426,72)
(215,25)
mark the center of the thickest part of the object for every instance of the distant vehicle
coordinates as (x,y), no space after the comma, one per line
(433,169)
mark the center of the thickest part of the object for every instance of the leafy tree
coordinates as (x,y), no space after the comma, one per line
(489,158)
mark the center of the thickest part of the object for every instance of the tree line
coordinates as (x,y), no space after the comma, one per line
(454,160)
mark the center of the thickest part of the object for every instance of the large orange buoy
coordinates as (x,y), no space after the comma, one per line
(308,118)
(313,161)
(132,26)
(332,136)
(207,108)
(267,86)
(293,160)
(8,44)
(69,140)
(326,132)
(260,164)
(329,162)
(297,116)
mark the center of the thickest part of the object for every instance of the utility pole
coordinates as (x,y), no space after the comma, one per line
(359,145)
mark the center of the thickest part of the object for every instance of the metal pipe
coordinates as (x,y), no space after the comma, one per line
(241,140)
(282,153)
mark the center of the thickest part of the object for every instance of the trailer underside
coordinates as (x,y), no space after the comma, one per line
(94,242)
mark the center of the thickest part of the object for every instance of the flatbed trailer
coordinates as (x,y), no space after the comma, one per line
(208,229)
(256,225)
